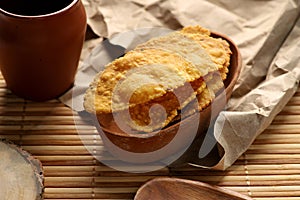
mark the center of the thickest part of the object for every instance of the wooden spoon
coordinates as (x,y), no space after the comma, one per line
(181,189)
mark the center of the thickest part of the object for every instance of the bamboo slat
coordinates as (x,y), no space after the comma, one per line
(268,170)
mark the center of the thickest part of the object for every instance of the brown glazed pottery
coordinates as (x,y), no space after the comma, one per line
(40,46)
(151,147)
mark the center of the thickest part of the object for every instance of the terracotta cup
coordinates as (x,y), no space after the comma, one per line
(40,46)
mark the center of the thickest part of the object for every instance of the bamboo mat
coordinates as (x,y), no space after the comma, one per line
(269,170)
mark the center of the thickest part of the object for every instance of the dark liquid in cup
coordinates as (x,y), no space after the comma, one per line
(33,7)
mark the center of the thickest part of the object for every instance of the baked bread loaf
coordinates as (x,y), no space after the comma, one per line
(148,87)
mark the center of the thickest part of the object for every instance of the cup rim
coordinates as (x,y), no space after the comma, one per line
(42,15)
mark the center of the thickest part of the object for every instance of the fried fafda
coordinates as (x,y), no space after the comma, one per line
(170,71)
(217,48)
(185,47)
(165,68)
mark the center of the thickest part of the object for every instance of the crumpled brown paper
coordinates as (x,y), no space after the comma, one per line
(266,33)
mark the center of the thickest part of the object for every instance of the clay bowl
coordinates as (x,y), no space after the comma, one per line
(150,147)
(175,188)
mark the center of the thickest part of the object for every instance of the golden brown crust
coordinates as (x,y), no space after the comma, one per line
(169,70)
(217,48)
